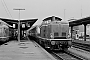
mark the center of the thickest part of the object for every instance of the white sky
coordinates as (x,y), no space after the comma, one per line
(43,8)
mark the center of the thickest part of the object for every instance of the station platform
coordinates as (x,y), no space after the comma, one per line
(27,50)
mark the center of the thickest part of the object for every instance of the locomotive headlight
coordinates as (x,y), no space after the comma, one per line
(52,42)
(69,43)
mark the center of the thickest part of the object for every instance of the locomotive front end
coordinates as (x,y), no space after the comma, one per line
(54,34)
(59,36)
(60,44)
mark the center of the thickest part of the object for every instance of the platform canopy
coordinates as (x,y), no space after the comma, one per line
(80,21)
(28,22)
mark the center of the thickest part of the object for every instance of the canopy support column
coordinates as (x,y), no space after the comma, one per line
(85,32)
(71,31)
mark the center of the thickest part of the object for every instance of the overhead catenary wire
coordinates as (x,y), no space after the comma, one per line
(6,8)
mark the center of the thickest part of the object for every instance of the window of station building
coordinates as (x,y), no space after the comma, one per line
(14,26)
(23,25)
(27,24)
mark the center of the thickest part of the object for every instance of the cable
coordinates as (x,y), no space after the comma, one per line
(4,8)
(7,8)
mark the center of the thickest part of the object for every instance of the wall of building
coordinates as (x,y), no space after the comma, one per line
(81,29)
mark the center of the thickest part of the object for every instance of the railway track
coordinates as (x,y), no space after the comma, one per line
(67,56)
(81,46)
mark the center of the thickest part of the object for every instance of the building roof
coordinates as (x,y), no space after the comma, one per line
(13,21)
(80,21)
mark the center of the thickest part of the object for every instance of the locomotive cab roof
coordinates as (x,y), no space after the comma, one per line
(51,18)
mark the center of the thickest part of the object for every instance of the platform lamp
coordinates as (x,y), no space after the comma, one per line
(19,24)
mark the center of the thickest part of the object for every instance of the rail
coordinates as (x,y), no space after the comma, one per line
(67,55)
(85,47)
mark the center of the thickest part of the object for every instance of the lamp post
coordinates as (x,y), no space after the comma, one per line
(64,13)
(19,24)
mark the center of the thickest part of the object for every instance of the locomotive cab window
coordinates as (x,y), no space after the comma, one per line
(63,34)
(56,34)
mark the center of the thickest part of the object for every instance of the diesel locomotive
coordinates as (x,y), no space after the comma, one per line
(52,34)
